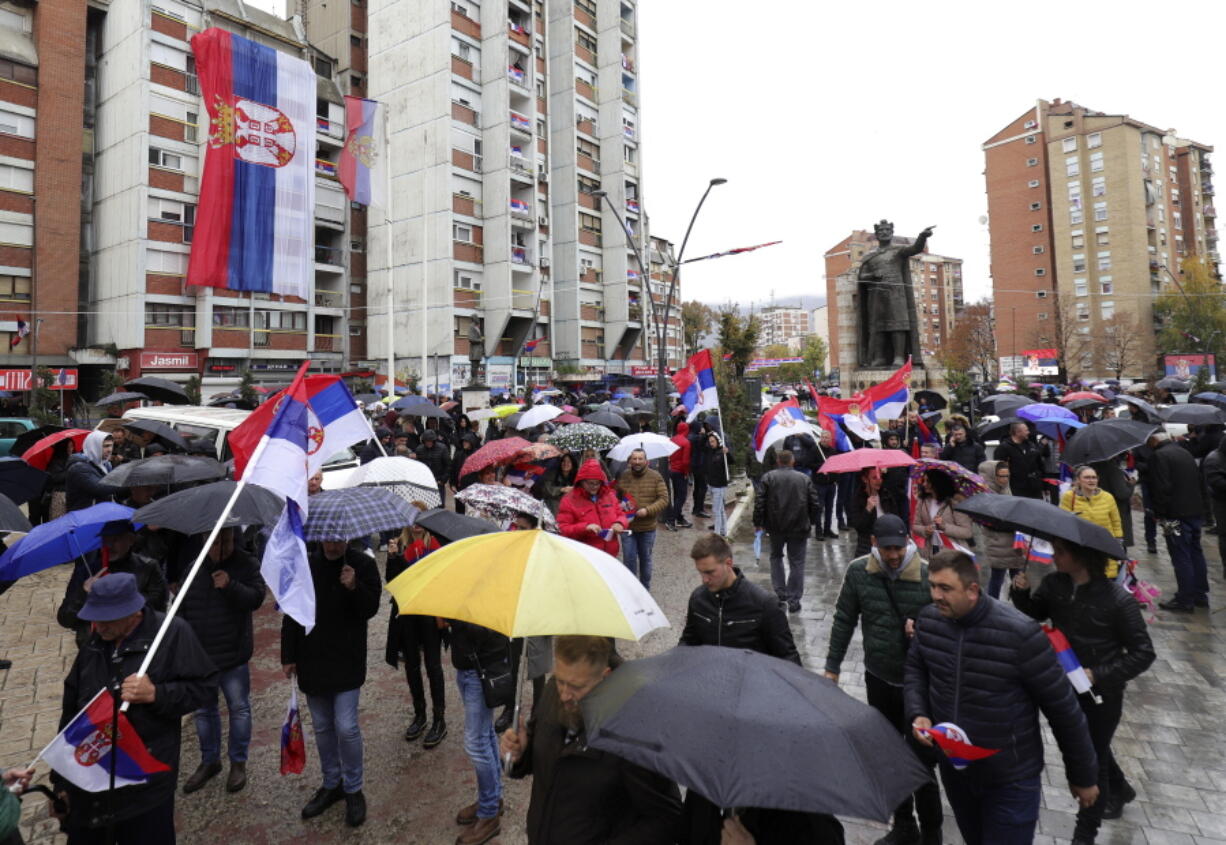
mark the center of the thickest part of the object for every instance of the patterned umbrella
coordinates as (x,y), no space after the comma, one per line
(495,452)
(499,503)
(409,479)
(347,514)
(580,436)
(537,452)
(966,483)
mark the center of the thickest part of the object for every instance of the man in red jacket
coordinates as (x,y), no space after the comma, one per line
(591,512)
(679,478)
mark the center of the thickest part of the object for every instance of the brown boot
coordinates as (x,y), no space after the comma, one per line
(203,774)
(468,815)
(482,830)
(237,778)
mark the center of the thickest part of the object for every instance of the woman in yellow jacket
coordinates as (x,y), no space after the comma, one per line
(1087,501)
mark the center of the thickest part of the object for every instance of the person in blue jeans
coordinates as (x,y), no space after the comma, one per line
(330,665)
(474,649)
(1180,509)
(642,486)
(218,605)
(989,668)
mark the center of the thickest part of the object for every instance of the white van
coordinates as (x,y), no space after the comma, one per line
(198,424)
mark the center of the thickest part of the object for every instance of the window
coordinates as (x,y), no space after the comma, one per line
(1035,206)
(1032,162)
(465,281)
(14,288)
(1039,271)
(1096,162)
(1104,261)
(355,41)
(1036,227)
(1037,250)
(1030,139)
(1043,314)
(1094,140)
(1102,238)
(1072,167)
(1079,240)
(1080,287)
(285,321)
(13,178)
(462,233)
(1075,216)
(461,49)
(1098,186)
(160,315)
(1069,144)
(15,72)
(1083,312)
(1040,294)
(226,317)
(323,67)
(1176,219)
(1100,211)
(1079,262)
(165,262)
(1033,183)
(1107,309)
(15,123)
(587,42)
(17,233)
(589,222)
(1106,286)
(162,158)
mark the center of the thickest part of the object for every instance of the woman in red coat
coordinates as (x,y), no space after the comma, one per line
(591,512)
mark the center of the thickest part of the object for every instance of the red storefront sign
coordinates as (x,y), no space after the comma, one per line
(62,378)
(642,371)
(169,361)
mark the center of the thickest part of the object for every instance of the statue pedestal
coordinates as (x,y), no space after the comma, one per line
(923,377)
(473,397)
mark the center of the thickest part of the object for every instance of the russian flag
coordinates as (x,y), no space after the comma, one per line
(955,744)
(255,224)
(1068,659)
(696,384)
(83,752)
(782,420)
(363,160)
(889,398)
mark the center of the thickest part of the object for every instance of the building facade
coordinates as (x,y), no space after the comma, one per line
(506,118)
(781,323)
(937,280)
(1091,216)
(662,275)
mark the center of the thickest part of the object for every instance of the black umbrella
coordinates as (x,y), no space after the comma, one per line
(1174,385)
(1003,404)
(1079,404)
(1106,439)
(996,430)
(27,439)
(19,481)
(768,715)
(936,402)
(1219,386)
(121,398)
(165,470)
(11,517)
(1032,516)
(160,431)
(608,420)
(196,509)
(1193,414)
(1142,409)
(450,526)
(159,389)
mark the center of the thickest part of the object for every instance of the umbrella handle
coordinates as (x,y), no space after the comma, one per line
(519,695)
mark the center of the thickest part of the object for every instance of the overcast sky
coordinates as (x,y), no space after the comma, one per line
(825,117)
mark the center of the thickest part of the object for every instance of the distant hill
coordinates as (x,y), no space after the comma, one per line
(807,302)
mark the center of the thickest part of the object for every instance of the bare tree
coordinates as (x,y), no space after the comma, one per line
(1070,338)
(1119,344)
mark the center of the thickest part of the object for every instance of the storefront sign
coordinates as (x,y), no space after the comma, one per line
(62,378)
(169,360)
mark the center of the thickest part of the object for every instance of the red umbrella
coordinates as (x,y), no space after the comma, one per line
(858,459)
(494,453)
(39,455)
(1082,394)
(567,419)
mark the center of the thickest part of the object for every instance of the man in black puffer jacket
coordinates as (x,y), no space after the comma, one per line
(1177,495)
(218,605)
(984,666)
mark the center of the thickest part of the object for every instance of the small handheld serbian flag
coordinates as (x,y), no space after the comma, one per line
(955,744)
(1068,660)
(83,752)
(293,747)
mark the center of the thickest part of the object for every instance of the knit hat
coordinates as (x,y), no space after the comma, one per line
(591,469)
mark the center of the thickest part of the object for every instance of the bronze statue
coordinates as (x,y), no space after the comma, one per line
(889,328)
(476,352)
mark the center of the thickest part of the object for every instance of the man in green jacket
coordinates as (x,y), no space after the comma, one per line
(884,590)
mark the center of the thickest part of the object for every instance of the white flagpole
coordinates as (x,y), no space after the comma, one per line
(391,278)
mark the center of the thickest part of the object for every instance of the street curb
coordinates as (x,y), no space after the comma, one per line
(746,501)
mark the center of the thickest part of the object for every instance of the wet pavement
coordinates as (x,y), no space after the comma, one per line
(1169,744)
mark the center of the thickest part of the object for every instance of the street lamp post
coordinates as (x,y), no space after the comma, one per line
(661,323)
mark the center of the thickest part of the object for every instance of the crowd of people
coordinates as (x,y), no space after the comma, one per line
(941,646)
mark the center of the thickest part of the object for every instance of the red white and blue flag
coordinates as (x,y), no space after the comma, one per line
(363,163)
(838,416)
(85,750)
(888,400)
(312,420)
(955,744)
(946,542)
(696,384)
(781,421)
(1037,549)
(255,225)
(530,345)
(293,747)
(23,329)
(1068,659)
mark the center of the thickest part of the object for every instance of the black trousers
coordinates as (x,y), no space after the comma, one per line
(154,825)
(420,639)
(700,490)
(888,700)
(1102,720)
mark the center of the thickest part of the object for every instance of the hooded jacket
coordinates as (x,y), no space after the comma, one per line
(460,456)
(578,510)
(372,450)
(83,485)
(865,597)
(679,461)
(999,544)
(717,467)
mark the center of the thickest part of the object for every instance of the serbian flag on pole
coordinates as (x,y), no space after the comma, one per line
(782,420)
(363,163)
(696,384)
(83,752)
(1068,659)
(255,224)
(293,748)
(889,399)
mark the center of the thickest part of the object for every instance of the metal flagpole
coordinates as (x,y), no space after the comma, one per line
(391,278)
(425,258)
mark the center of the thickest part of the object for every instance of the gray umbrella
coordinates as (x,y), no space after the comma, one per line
(1146,411)
(165,469)
(120,398)
(608,420)
(159,389)
(1174,385)
(1193,414)
(451,526)
(1004,404)
(353,512)
(11,517)
(196,509)
(160,431)
(1032,516)
(745,729)
(1104,440)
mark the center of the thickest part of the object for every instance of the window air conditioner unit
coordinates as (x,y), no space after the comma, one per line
(543,221)
(1030,124)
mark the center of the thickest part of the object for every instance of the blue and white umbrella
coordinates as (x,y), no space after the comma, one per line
(353,512)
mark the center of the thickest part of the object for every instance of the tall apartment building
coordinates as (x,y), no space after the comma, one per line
(937,280)
(506,117)
(1091,217)
(661,267)
(781,323)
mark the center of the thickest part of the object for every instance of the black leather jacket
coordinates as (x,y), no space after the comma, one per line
(1101,620)
(742,616)
(786,504)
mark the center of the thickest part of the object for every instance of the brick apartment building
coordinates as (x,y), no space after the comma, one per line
(937,280)
(781,323)
(1091,216)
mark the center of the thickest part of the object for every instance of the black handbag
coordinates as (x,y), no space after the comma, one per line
(497,680)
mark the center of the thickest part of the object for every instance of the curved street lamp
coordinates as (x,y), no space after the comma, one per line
(661,324)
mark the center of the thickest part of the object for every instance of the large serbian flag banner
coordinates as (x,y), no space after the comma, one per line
(362,169)
(255,223)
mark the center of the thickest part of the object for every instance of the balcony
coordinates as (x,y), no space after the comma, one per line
(520,123)
(518,77)
(518,33)
(331,128)
(627,27)
(627,63)
(629,97)
(520,168)
(523,300)
(323,167)
(332,255)
(1210,211)
(1206,188)
(1210,234)
(328,343)
(462,67)
(466,298)
(520,259)
(632,205)
(465,114)
(629,133)
(329,298)
(521,210)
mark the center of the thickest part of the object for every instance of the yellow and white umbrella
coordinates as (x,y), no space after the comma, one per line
(528,584)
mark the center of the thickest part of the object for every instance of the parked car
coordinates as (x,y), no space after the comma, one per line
(10,429)
(199,424)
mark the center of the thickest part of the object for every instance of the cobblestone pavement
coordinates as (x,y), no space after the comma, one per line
(1169,743)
